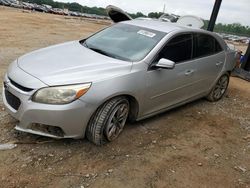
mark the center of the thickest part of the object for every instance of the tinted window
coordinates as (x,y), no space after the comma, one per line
(178,49)
(205,45)
(218,47)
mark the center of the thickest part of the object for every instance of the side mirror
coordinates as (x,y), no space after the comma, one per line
(165,64)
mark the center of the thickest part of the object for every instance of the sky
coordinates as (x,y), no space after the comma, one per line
(232,11)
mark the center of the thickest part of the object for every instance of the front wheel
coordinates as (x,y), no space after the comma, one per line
(219,89)
(108,121)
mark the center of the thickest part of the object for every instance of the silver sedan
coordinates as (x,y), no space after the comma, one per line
(129,71)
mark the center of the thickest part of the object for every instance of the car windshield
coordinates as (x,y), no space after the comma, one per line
(125,42)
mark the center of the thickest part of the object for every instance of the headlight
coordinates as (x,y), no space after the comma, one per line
(60,94)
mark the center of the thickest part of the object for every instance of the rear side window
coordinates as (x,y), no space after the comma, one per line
(205,45)
(178,49)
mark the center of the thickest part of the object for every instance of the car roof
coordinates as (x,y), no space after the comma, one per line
(158,25)
(168,27)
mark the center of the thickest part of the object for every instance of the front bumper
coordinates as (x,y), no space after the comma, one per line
(71,118)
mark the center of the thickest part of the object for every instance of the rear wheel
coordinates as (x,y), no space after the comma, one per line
(108,121)
(219,89)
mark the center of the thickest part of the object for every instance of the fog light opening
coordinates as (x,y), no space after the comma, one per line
(53,130)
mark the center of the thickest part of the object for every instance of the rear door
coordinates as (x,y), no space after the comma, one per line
(209,57)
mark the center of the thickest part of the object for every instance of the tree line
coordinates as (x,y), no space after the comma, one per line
(234,28)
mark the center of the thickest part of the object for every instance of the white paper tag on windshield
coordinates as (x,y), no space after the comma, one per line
(146,33)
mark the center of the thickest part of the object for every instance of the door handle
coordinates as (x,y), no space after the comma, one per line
(219,63)
(189,72)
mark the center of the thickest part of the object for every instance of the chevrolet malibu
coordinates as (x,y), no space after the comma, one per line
(129,71)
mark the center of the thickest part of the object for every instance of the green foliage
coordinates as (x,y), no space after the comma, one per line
(205,24)
(137,15)
(155,14)
(234,28)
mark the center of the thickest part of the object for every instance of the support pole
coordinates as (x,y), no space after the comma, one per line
(214,15)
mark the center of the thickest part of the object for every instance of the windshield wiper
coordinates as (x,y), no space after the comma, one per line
(102,52)
(84,43)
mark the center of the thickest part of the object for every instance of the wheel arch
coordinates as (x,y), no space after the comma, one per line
(134,107)
(229,73)
(133,104)
(209,96)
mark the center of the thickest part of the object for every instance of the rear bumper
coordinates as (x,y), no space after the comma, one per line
(71,118)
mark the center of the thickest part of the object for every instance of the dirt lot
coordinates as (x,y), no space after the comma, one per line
(201,144)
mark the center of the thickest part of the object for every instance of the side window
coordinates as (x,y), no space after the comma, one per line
(205,45)
(218,47)
(178,49)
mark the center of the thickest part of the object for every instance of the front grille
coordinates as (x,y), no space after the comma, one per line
(12,100)
(19,86)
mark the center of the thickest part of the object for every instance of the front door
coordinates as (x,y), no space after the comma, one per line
(167,87)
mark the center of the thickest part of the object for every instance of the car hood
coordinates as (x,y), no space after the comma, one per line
(71,63)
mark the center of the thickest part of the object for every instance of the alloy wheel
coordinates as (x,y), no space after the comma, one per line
(220,87)
(116,121)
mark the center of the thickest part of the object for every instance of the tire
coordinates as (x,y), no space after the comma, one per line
(219,89)
(108,121)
